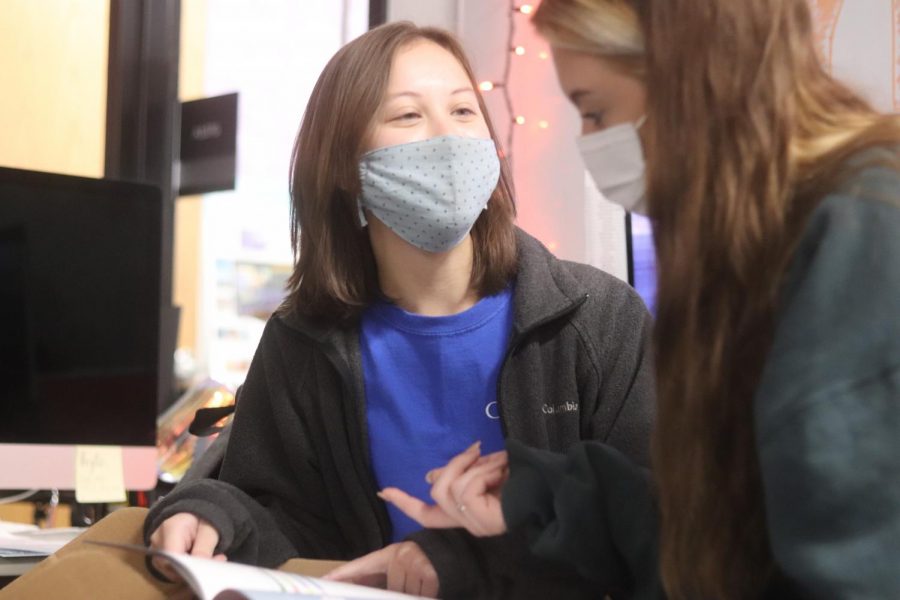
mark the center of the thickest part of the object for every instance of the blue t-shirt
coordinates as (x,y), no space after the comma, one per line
(431,390)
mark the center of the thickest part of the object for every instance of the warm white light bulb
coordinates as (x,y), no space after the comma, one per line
(519,50)
(526,9)
(486,86)
(543,124)
(520,120)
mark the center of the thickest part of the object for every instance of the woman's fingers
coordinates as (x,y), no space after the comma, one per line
(400,567)
(430,586)
(440,489)
(205,541)
(184,533)
(411,571)
(427,515)
(477,492)
(364,570)
(432,475)
(477,480)
(176,534)
(466,493)
(398,578)
(495,479)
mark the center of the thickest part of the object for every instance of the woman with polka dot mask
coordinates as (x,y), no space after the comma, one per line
(419,320)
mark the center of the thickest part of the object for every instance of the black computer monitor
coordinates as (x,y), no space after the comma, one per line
(79,325)
(641,258)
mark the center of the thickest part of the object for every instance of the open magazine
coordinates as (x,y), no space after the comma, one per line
(219,580)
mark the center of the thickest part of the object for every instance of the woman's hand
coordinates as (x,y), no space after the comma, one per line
(401,567)
(184,533)
(467,493)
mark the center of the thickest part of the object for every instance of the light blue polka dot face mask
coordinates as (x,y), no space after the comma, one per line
(430,193)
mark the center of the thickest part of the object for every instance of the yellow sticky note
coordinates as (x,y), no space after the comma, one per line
(99,475)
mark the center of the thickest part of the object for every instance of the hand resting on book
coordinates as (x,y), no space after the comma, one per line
(184,533)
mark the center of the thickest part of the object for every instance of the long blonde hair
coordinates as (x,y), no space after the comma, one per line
(746,132)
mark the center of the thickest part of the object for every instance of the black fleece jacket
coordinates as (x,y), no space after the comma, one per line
(297,481)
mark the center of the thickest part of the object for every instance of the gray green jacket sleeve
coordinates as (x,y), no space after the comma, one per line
(828,407)
(592,508)
(827,417)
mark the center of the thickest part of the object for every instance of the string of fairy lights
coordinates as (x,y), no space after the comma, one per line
(514,50)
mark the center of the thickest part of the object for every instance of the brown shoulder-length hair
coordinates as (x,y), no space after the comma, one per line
(334,274)
(746,132)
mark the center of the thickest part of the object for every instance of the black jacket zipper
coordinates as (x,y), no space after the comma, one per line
(514,344)
(368,479)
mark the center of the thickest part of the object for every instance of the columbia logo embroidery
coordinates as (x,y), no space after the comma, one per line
(552,409)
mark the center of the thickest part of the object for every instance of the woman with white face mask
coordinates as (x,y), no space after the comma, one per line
(774,193)
(418,321)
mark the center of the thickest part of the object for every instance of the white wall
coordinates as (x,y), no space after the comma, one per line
(861,47)
(434,13)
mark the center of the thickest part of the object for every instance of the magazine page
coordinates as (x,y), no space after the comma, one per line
(239,595)
(210,578)
(250,595)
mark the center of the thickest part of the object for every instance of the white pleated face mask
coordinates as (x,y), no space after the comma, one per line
(431,192)
(615,159)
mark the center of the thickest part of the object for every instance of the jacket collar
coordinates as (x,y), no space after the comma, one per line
(545,289)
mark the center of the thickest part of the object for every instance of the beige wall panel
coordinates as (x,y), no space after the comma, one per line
(53,66)
(189,209)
